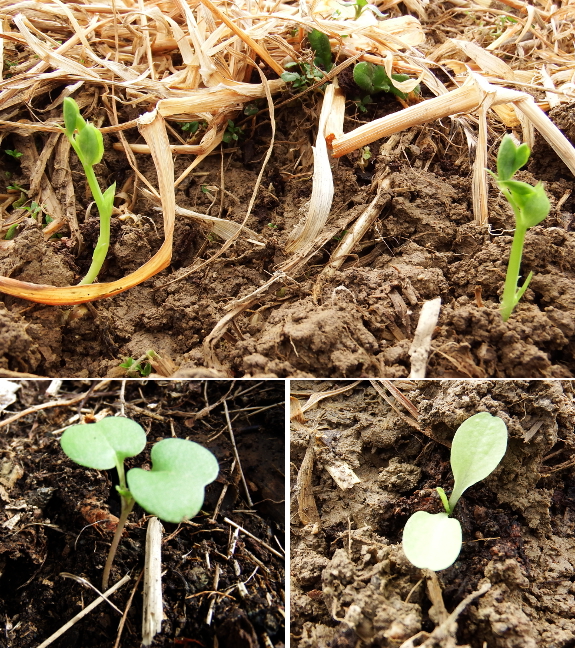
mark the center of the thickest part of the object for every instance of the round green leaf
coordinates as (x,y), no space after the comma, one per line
(105,444)
(432,541)
(478,446)
(174,488)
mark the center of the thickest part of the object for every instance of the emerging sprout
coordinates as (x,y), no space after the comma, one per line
(530,206)
(89,147)
(433,541)
(373,78)
(174,488)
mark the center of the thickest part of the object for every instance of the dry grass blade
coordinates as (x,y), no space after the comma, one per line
(307,508)
(319,396)
(322,188)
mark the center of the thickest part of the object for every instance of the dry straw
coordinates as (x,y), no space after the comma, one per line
(179,61)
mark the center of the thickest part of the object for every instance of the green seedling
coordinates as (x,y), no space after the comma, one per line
(362,6)
(193,127)
(306,74)
(15,154)
(233,133)
(133,367)
(530,206)
(362,103)
(373,79)
(173,489)
(89,146)
(11,233)
(251,109)
(320,45)
(433,541)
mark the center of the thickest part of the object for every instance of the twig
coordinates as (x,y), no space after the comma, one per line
(251,535)
(237,456)
(84,612)
(87,583)
(222,495)
(125,615)
(421,345)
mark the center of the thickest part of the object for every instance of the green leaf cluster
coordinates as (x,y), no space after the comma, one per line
(232,133)
(433,541)
(530,206)
(174,488)
(373,79)
(305,74)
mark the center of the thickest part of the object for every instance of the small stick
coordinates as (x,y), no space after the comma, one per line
(222,495)
(84,612)
(213,601)
(128,605)
(249,499)
(264,544)
(153,611)
(421,345)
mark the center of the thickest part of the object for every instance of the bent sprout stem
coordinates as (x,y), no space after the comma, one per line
(101,249)
(88,144)
(127,506)
(511,295)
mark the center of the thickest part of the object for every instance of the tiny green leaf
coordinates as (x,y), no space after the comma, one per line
(532,202)
(105,444)
(510,157)
(71,116)
(320,45)
(288,77)
(478,446)
(108,198)
(432,541)
(174,488)
(91,144)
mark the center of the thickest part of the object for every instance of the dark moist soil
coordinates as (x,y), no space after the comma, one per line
(351,585)
(49,503)
(424,245)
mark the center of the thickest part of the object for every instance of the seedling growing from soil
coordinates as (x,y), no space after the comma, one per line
(373,78)
(433,541)
(89,146)
(173,489)
(15,154)
(233,133)
(530,206)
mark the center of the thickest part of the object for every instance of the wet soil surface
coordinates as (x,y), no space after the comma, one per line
(55,518)
(351,583)
(358,323)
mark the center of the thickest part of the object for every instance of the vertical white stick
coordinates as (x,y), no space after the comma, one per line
(153,608)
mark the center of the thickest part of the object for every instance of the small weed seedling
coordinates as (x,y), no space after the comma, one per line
(373,78)
(173,489)
(530,206)
(89,146)
(233,133)
(310,73)
(133,367)
(15,154)
(433,541)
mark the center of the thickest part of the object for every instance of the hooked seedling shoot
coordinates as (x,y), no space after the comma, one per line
(530,206)
(433,541)
(89,146)
(173,489)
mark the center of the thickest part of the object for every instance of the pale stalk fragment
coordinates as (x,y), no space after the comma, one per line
(153,611)
(322,187)
(421,345)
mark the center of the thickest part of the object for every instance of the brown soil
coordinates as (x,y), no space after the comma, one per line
(423,245)
(351,583)
(49,503)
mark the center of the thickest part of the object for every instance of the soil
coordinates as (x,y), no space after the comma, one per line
(358,323)
(56,518)
(351,584)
